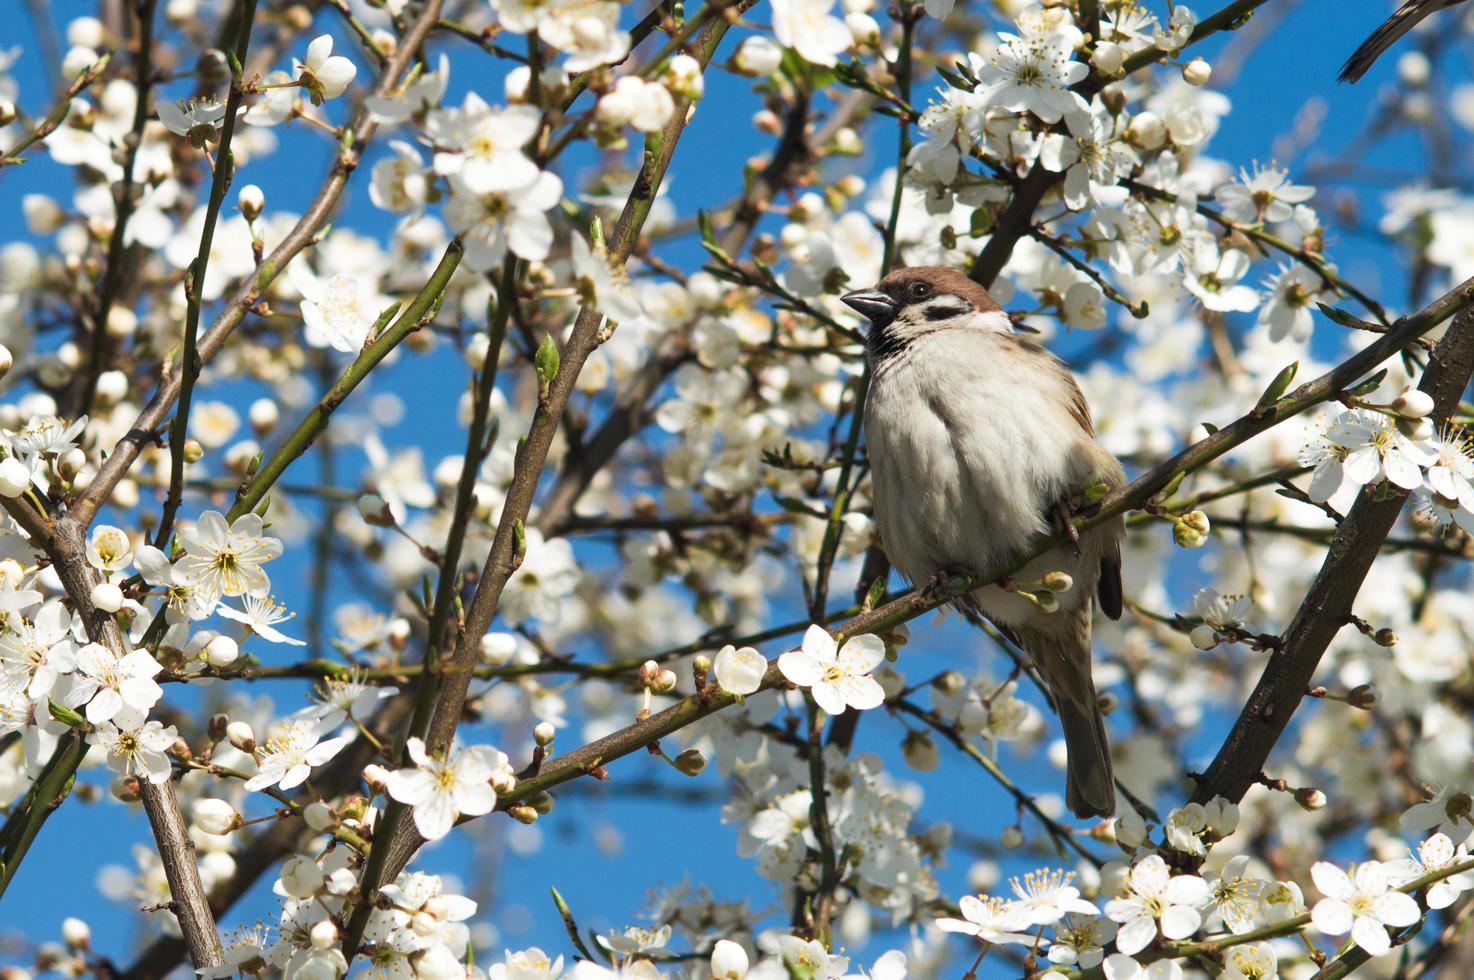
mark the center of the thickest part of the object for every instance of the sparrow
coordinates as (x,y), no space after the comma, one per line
(1393,28)
(980,444)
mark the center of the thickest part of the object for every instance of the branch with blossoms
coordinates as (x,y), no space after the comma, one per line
(662,480)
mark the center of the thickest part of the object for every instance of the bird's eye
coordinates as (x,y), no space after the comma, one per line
(920,290)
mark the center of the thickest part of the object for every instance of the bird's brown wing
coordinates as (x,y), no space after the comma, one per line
(1393,28)
(1108,589)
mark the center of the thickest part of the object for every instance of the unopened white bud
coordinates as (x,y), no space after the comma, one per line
(729,960)
(319,816)
(864,30)
(240,735)
(1197,72)
(375,776)
(375,511)
(76,933)
(1203,636)
(1011,838)
(112,387)
(77,61)
(215,816)
(544,733)
(1058,581)
(301,877)
(121,322)
(1413,404)
(1108,58)
(107,596)
(324,935)
(1310,798)
(221,652)
(70,463)
(250,200)
(6,360)
(263,415)
(920,752)
(15,478)
(476,350)
(1147,131)
(498,649)
(757,55)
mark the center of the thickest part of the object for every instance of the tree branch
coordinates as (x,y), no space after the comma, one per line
(1327,606)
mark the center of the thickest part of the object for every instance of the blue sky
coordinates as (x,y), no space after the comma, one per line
(1293,69)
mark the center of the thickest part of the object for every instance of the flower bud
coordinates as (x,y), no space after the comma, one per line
(1418,430)
(665,681)
(241,736)
(848,143)
(920,752)
(216,726)
(15,478)
(477,348)
(757,55)
(1147,130)
(950,682)
(221,652)
(301,877)
(543,803)
(684,79)
(1012,838)
(1057,581)
(864,30)
(1310,798)
(374,776)
(1046,602)
(193,451)
(121,322)
(324,935)
(522,814)
(215,816)
(1413,404)
(498,649)
(375,511)
(7,111)
(77,61)
(250,200)
(107,597)
(728,961)
(6,360)
(319,816)
(690,762)
(1197,72)
(649,673)
(263,415)
(1108,58)
(544,733)
(1203,636)
(76,933)
(1363,696)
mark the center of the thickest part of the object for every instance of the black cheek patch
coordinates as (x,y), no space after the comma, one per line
(935,313)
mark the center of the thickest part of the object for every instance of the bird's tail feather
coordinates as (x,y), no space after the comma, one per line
(1063,661)
(1090,785)
(1392,29)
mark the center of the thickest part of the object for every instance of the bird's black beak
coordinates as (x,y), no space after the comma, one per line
(873,305)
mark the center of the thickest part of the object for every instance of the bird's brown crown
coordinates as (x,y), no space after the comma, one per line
(902,285)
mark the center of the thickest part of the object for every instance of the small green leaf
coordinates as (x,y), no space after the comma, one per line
(1277,388)
(65,715)
(1369,385)
(546,360)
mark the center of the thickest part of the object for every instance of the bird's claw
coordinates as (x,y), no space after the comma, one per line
(1062,514)
(940,583)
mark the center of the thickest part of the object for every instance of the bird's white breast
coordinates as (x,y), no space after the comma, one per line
(970,443)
